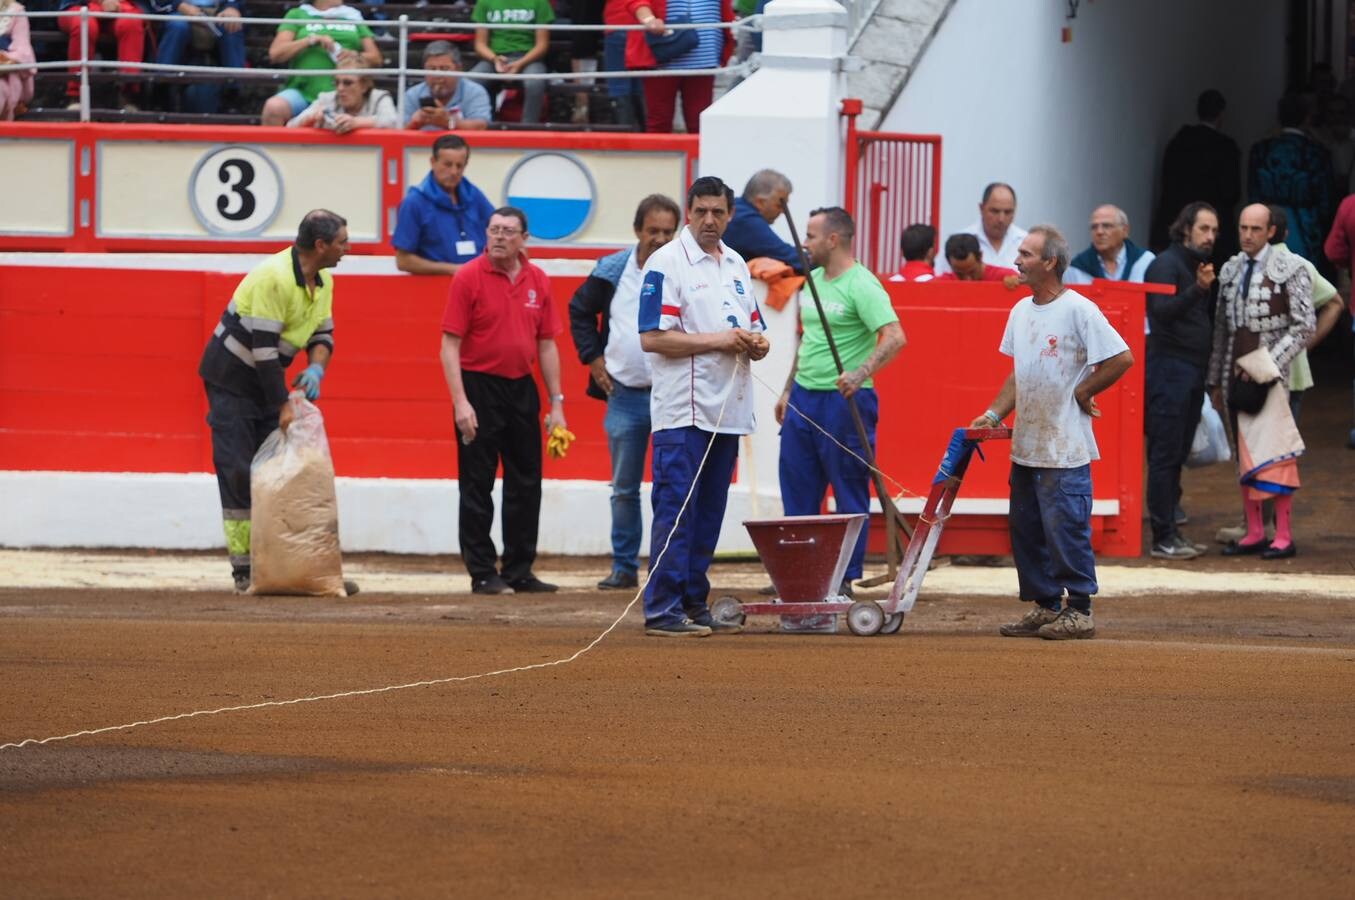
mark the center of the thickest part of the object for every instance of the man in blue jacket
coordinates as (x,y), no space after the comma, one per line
(750,230)
(604,318)
(441,223)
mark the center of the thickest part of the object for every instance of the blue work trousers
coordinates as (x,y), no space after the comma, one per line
(678,585)
(1051,531)
(810,462)
(627,427)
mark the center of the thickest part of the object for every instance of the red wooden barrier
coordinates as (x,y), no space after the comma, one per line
(98,372)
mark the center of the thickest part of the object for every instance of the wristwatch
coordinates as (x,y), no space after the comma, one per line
(993,417)
(557,398)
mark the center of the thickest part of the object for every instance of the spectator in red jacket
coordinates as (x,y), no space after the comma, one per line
(711,50)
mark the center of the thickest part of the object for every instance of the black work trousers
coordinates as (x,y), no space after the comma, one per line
(507,412)
(239,426)
(1175,389)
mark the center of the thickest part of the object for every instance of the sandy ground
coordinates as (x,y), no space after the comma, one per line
(1202,745)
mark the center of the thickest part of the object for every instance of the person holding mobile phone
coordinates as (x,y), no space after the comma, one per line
(446,102)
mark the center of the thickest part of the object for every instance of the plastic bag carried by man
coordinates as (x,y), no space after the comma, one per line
(283,304)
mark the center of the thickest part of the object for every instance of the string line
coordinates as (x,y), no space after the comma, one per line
(452,679)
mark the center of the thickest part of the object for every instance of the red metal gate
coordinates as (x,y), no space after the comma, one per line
(892,181)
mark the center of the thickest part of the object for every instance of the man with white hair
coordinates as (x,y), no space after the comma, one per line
(750,229)
(1064,353)
(1112,254)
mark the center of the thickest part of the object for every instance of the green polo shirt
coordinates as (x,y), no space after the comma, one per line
(857,307)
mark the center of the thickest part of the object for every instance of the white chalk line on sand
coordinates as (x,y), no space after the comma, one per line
(451,679)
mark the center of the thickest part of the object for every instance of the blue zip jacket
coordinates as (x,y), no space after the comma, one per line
(750,236)
(429,224)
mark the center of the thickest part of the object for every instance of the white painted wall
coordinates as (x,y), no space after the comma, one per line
(1074,125)
(783,117)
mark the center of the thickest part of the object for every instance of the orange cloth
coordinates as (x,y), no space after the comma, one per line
(782,282)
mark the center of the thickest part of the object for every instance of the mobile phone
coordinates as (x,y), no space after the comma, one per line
(427,101)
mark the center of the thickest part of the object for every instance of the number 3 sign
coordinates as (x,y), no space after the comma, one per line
(235,191)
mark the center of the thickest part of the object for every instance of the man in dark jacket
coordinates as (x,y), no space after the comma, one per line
(750,230)
(1179,343)
(604,318)
(1200,163)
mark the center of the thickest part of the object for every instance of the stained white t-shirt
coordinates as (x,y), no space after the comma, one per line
(1053,347)
(626,361)
(687,289)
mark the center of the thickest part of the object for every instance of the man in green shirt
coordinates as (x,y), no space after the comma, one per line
(867,333)
(515,51)
(312,39)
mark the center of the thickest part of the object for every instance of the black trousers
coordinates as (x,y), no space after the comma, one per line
(507,411)
(239,426)
(1175,389)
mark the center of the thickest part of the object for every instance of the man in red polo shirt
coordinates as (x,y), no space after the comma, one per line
(499,321)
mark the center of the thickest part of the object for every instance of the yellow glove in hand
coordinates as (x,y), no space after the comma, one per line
(558,443)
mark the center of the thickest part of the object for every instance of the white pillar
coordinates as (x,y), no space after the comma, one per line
(783,117)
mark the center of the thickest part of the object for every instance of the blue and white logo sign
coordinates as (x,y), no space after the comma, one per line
(555,190)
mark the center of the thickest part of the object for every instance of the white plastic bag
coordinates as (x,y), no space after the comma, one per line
(294,535)
(1210,444)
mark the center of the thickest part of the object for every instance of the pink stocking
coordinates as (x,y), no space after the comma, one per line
(1283,536)
(1256,529)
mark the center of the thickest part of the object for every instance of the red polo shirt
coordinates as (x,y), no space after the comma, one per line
(990,273)
(499,321)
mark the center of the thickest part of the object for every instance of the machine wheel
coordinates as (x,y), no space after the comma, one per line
(727,611)
(892,623)
(865,617)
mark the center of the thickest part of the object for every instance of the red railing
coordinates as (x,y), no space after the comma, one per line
(892,181)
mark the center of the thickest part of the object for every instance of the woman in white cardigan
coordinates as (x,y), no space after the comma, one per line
(352,105)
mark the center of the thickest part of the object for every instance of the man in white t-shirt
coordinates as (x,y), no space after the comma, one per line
(999,235)
(1064,353)
(602,317)
(701,326)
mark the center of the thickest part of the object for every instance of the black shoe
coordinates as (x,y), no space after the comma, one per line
(618,581)
(683,629)
(845,589)
(350,587)
(532,585)
(1237,548)
(1281,553)
(242,579)
(1179,516)
(493,584)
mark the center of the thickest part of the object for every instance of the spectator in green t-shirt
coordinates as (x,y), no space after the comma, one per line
(515,51)
(312,38)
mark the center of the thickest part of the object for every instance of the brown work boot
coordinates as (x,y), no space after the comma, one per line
(1030,624)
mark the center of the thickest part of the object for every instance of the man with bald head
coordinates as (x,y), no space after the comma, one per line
(999,236)
(1263,321)
(1112,254)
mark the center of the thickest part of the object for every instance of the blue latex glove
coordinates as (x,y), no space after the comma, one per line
(309,381)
